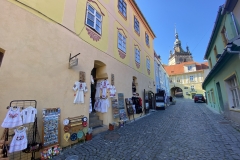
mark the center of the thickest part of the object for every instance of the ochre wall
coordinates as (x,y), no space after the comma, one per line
(35,63)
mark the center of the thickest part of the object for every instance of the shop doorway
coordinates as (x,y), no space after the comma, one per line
(98,73)
(134,85)
(220,95)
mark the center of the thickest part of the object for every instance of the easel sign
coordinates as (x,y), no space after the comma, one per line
(73,61)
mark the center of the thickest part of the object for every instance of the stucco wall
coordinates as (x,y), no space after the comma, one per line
(236,12)
(231,67)
(220,46)
(35,65)
(185,82)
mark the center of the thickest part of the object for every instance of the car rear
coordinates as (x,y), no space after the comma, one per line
(199,98)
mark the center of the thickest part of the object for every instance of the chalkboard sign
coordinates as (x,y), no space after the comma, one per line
(120,101)
(50,129)
(122,112)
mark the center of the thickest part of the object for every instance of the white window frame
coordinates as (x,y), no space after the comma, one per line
(136,25)
(193,88)
(191,78)
(147,39)
(148,63)
(122,7)
(97,17)
(178,80)
(137,55)
(190,68)
(233,92)
(121,42)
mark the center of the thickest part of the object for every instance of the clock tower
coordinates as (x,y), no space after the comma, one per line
(178,55)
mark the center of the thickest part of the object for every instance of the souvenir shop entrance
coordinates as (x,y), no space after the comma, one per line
(98,74)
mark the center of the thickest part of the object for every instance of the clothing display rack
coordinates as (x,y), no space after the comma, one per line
(129,106)
(31,131)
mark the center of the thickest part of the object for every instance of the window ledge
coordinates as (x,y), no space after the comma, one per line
(93,34)
(122,15)
(148,45)
(137,32)
(121,53)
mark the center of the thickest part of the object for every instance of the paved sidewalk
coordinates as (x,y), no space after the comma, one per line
(186,130)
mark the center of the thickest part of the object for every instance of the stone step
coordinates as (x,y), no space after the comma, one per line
(95,123)
(93,115)
(99,130)
(92,119)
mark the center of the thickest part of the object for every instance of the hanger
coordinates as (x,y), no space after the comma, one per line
(14,107)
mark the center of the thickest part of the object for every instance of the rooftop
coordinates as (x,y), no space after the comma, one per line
(179,68)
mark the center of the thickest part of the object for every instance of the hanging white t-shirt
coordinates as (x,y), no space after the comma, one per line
(104,105)
(104,87)
(112,91)
(81,88)
(19,141)
(13,118)
(98,85)
(28,114)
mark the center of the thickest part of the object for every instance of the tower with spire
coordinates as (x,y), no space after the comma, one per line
(178,55)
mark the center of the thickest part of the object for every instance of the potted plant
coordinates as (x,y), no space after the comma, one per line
(89,134)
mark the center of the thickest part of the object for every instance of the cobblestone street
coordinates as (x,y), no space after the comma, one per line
(186,130)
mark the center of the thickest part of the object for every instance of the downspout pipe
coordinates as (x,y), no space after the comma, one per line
(234,23)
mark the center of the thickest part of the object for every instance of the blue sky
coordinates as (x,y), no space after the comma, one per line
(194,21)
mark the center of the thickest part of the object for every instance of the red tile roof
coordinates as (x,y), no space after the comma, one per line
(179,68)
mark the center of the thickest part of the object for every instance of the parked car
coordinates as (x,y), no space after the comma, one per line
(199,98)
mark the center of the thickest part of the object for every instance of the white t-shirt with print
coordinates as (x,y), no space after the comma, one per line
(29,114)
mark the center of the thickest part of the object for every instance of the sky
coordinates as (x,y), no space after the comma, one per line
(194,20)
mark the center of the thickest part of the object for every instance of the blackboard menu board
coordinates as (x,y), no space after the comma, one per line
(120,101)
(51,118)
(122,112)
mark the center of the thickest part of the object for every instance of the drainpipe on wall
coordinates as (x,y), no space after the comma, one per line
(234,22)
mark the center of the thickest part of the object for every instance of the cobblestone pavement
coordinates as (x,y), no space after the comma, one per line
(182,131)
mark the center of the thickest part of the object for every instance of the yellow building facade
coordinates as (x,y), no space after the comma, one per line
(186,78)
(38,37)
